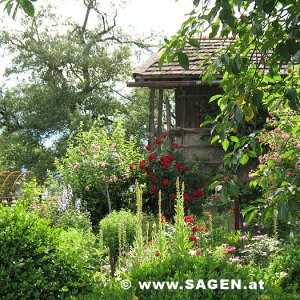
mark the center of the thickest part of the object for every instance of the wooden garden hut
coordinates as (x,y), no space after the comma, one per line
(191,99)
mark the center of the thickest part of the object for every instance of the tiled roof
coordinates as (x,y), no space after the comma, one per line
(208,47)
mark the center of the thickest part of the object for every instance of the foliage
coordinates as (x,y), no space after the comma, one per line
(110,226)
(12,6)
(70,73)
(97,167)
(40,262)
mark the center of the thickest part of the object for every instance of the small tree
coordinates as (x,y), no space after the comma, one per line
(98,165)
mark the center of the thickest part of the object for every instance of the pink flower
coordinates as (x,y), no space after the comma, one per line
(163,219)
(76,167)
(95,147)
(296,166)
(87,188)
(285,135)
(289,173)
(243,238)
(298,146)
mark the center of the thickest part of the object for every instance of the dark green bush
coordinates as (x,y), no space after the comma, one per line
(39,262)
(109,226)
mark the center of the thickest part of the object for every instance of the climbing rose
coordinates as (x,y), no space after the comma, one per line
(175,146)
(226,179)
(186,197)
(198,193)
(157,141)
(163,136)
(152,156)
(87,188)
(178,167)
(166,181)
(214,196)
(153,189)
(148,147)
(142,164)
(188,219)
(296,167)
(289,173)
(131,166)
(173,196)
(170,157)
(196,228)
(193,238)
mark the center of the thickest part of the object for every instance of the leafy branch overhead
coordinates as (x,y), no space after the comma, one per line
(12,6)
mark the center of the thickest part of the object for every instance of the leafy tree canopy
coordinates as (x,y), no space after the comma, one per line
(260,67)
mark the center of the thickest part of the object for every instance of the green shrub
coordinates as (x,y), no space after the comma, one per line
(181,268)
(109,227)
(39,262)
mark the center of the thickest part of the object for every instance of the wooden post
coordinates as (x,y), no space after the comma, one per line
(151,118)
(168,117)
(236,214)
(159,117)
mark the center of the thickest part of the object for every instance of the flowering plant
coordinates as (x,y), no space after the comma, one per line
(162,169)
(278,173)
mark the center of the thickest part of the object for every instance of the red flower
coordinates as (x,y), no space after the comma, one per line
(193,238)
(198,193)
(157,141)
(296,167)
(226,179)
(142,164)
(196,228)
(175,146)
(186,197)
(207,180)
(149,244)
(157,254)
(178,166)
(165,161)
(153,179)
(214,196)
(289,173)
(208,213)
(131,166)
(153,189)
(148,147)
(166,181)
(173,196)
(198,253)
(170,157)
(152,156)
(185,170)
(188,219)
(163,136)
(163,219)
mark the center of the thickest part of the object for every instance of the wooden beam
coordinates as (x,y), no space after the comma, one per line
(169,84)
(159,117)
(168,117)
(151,118)
(236,214)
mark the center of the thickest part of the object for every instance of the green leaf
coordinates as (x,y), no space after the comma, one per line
(283,211)
(224,196)
(294,205)
(267,213)
(195,43)
(183,60)
(214,139)
(250,217)
(244,159)
(235,139)
(233,189)
(215,97)
(196,2)
(214,29)
(257,97)
(27,7)
(225,144)
(238,115)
